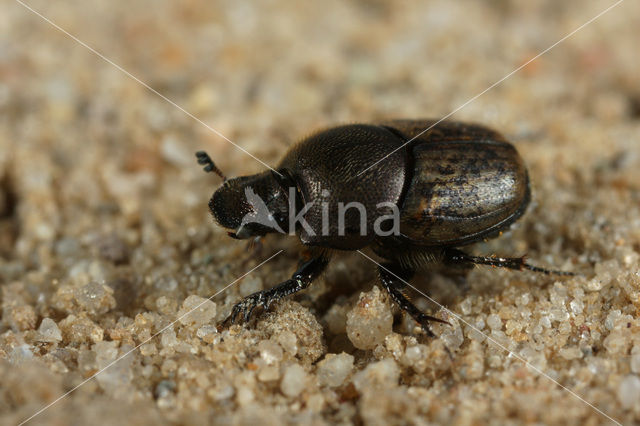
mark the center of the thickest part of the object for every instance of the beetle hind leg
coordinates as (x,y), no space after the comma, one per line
(394,278)
(455,256)
(301,279)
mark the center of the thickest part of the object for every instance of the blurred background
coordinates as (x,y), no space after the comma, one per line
(98,181)
(265,74)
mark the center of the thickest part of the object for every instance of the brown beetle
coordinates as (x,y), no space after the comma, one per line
(453,185)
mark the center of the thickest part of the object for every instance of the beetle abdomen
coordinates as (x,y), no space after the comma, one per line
(462,189)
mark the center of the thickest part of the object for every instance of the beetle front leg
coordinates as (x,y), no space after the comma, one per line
(394,279)
(301,279)
(518,263)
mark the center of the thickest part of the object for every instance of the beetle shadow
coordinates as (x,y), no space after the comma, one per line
(347,275)
(444,287)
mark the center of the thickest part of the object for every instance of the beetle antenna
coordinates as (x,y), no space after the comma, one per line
(209,165)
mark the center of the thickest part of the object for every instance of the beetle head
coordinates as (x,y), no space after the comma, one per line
(251,205)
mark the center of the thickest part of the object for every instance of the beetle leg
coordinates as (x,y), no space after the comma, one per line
(254,247)
(393,278)
(301,279)
(517,263)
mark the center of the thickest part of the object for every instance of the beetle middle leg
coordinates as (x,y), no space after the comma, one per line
(455,256)
(301,279)
(393,278)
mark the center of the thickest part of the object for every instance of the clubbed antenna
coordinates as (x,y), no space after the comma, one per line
(209,165)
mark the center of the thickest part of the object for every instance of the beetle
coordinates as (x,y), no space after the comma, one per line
(453,185)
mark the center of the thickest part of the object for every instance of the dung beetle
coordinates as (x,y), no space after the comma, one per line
(456,184)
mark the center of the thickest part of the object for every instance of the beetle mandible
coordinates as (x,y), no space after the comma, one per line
(451,186)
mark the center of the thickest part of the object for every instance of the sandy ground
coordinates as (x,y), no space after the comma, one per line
(105,237)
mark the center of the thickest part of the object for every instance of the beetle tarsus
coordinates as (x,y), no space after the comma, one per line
(393,279)
(547,271)
(517,263)
(301,279)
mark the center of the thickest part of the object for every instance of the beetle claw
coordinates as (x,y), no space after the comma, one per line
(434,319)
(427,329)
(424,321)
(247,312)
(234,314)
(243,310)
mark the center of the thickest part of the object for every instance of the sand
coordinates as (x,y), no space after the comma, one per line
(105,236)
